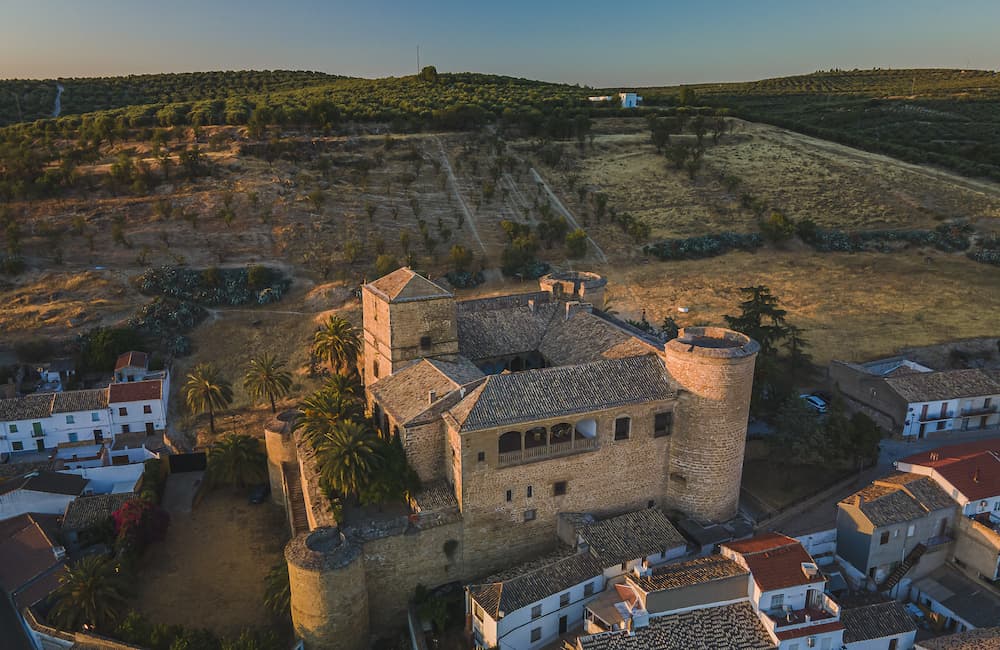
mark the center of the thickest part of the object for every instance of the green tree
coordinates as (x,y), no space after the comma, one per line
(429,74)
(576,244)
(207,390)
(760,318)
(237,459)
(337,343)
(93,592)
(393,478)
(266,379)
(348,456)
(461,258)
(324,410)
(277,592)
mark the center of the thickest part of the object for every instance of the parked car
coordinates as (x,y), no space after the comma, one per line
(260,493)
(816,403)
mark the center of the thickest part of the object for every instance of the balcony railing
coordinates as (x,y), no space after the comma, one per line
(979,410)
(543,452)
(37,434)
(937,417)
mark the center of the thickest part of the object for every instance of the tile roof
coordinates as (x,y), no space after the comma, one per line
(511,595)
(979,639)
(875,621)
(46,481)
(84,512)
(531,395)
(135,391)
(405,394)
(899,498)
(775,561)
(973,467)
(29,407)
(799,632)
(967,598)
(132,359)
(403,285)
(943,385)
(692,572)
(733,627)
(93,399)
(27,552)
(631,536)
(590,336)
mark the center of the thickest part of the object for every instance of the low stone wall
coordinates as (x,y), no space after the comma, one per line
(51,638)
(318,508)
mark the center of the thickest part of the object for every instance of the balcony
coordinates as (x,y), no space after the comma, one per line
(948,415)
(979,410)
(544,452)
(825,610)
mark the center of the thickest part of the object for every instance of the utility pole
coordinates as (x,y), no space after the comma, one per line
(418,59)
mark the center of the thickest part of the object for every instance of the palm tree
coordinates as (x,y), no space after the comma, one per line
(348,456)
(324,410)
(92,592)
(277,592)
(207,390)
(337,343)
(348,385)
(237,460)
(266,379)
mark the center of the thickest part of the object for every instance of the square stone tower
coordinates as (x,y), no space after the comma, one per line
(406,317)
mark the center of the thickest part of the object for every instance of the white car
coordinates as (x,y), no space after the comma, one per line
(814,402)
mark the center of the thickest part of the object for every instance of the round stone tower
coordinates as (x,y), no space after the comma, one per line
(712,368)
(575,285)
(280,446)
(329,597)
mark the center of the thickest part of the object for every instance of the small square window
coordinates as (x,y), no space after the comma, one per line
(95,417)
(70,419)
(146,408)
(125,428)
(529,515)
(564,599)
(13,428)
(481,456)
(663,424)
(122,411)
(510,496)
(425,343)
(536,634)
(559,488)
(536,611)
(622,427)
(588,589)
(529,491)
(884,539)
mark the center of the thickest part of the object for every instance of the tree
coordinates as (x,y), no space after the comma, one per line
(686,96)
(324,410)
(207,390)
(93,592)
(461,258)
(429,74)
(385,264)
(337,343)
(576,244)
(348,456)
(277,592)
(760,318)
(669,328)
(237,460)
(347,385)
(393,478)
(266,379)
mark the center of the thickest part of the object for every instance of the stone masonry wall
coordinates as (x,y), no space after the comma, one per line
(424,445)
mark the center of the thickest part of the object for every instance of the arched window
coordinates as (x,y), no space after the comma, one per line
(586,429)
(536,437)
(560,433)
(510,441)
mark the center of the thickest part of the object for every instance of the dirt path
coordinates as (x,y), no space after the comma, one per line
(565,212)
(469,219)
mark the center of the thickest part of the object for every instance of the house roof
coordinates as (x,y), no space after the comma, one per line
(973,467)
(684,574)
(29,407)
(979,639)
(775,561)
(404,285)
(799,632)
(92,399)
(589,336)
(899,498)
(84,512)
(132,359)
(405,394)
(876,621)
(735,627)
(967,598)
(512,398)
(943,385)
(511,595)
(135,391)
(631,536)
(27,551)
(46,481)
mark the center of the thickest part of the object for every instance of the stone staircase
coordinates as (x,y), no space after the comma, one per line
(904,567)
(298,520)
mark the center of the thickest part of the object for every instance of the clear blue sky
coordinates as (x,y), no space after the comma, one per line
(608,43)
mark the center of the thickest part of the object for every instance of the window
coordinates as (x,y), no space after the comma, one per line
(588,589)
(481,456)
(909,531)
(73,437)
(146,408)
(777,601)
(478,612)
(17,445)
(536,611)
(996,506)
(36,429)
(559,488)
(70,419)
(95,417)
(122,411)
(893,644)
(663,424)
(529,491)
(13,428)
(987,402)
(884,539)
(564,599)
(425,343)
(940,425)
(622,427)
(529,515)
(536,634)
(375,369)
(125,428)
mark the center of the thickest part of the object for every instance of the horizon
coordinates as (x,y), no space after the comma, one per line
(587,44)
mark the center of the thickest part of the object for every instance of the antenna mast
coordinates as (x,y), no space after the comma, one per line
(418,59)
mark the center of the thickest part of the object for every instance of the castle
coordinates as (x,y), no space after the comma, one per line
(511,409)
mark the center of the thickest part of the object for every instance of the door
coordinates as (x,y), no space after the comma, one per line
(923,427)
(149,429)
(40,444)
(562,625)
(944,410)
(98,435)
(982,421)
(923,412)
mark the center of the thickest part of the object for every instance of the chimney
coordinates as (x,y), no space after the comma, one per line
(531,305)
(432,396)
(574,306)
(935,456)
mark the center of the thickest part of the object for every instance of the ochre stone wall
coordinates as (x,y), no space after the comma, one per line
(280,447)
(620,475)
(424,445)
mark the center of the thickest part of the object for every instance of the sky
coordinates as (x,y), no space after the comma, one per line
(602,44)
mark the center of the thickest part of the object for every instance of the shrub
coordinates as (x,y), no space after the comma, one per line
(576,244)
(704,246)
(139,523)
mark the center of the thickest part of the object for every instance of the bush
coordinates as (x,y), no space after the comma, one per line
(214,286)
(576,244)
(139,523)
(704,246)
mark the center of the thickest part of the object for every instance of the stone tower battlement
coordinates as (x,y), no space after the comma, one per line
(575,285)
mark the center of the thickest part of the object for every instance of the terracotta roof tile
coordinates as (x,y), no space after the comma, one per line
(800,632)
(135,391)
(973,468)
(775,561)
(404,285)
(684,574)
(132,359)
(27,552)
(93,399)
(511,595)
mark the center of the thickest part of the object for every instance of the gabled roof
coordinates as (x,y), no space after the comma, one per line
(943,385)
(876,621)
(406,393)
(27,551)
(973,467)
(512,398)
(135,391)
(899,498)
(404,285)
(84,512)
(511,595)
(775,561)
(46,481)
(684,574)
(93,399)
(29,407)
(132,359)
(631,536)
